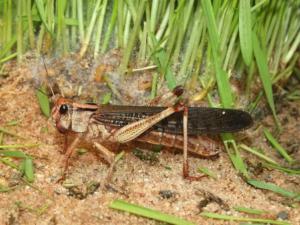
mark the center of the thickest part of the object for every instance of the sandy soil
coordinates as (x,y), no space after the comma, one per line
(158,184)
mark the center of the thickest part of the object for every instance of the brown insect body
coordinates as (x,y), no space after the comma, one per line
(167,126)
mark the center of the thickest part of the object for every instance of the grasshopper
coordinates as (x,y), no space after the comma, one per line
(168,126)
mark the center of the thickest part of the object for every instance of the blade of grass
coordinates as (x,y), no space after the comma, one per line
(235,218)
(28,169)
(148,213)
(283,169)
(191,45)
(13,123)
(207,172)
(73,12)
(245,30)
(112,87)
(8,46)
(120,25)
(99,28)
(42,14)
(19,31)
(249,210)
(221,76)
(80,19)
(5,131)
(61,26)
(292,49)
(162,62)
(133,37)
(1,138)
(87,38)
(235,155)
(277,146)
(9,163)
(106,98)
(14,154)
(30,24)
(154,85)
(274,188)
(262,64)
(7,23)
(258,154)
(110,28)
(18,145)
(43,101)
(9,57)
(6,189)
(127,24)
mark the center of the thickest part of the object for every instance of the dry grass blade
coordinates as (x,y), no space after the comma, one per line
(235,218)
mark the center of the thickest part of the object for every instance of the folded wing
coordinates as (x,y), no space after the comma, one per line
(201,120)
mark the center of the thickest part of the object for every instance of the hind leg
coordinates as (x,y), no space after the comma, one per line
(185,167)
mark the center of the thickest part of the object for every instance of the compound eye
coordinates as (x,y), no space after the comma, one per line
(63,109)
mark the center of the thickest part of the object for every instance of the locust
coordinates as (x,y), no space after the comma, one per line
(176,126)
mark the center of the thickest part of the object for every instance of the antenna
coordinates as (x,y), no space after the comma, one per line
(47,74)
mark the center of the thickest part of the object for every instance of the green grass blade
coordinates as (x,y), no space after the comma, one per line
(9,57)
(277,146)
(257,153)
(1,137)
(5,189)
(148,213)
(249,210)
(207,172)
(110,28)
(99,27)
(5,131)
(221,76)
(13,154)
(274,188)
(265,76)
(43,101)
(42,14)
(234,154)
(18,145)
(28,169)
(90,29)
(154,85)
(106,98)
(80,19)
(161,60)
(133,37)
(20,34)
(235,218)
(9,163)
(245,33)
(283,169)
(7,47)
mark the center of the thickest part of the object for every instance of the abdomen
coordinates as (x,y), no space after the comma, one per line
(199,145)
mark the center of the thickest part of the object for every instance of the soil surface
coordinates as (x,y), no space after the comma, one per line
(147,178)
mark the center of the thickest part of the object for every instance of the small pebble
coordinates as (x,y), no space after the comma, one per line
(283,215)
(166,194)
